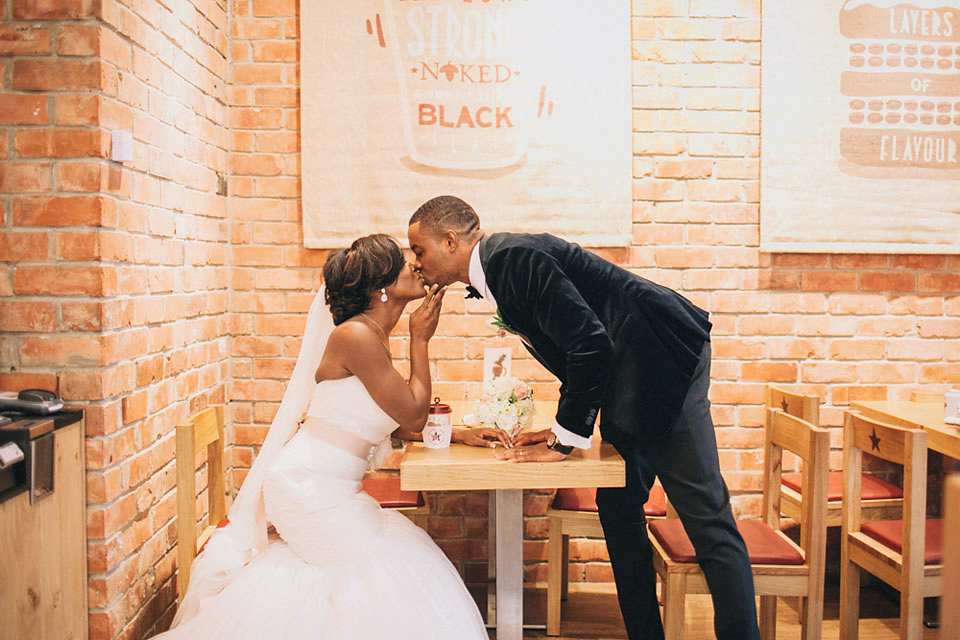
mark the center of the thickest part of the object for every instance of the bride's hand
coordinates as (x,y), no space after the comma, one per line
(481,437)
(424,319)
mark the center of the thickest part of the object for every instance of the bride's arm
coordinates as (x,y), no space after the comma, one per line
(360,350)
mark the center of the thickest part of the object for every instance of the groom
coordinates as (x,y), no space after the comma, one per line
(637,352)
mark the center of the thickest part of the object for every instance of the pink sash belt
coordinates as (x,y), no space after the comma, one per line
(337,436)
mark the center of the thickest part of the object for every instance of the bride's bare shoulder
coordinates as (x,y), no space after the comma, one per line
(349,340)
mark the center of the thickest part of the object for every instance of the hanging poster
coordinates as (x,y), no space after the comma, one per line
(520,107)
(860,126)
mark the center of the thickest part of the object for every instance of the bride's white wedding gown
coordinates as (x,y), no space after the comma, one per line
(344,569)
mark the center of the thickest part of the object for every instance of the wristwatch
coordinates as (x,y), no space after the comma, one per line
(555,445)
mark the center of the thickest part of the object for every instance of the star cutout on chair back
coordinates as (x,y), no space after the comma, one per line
(784,405)
(874,441)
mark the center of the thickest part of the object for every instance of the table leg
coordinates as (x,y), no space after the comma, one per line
(492,561)
(509,564)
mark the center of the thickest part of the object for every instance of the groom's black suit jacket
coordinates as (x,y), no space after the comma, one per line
(616,341)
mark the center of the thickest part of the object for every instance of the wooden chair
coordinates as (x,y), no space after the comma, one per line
(905,553)
(204,429)
(924,396)
(881,499)
(780,566)
(950,600)
(574,513)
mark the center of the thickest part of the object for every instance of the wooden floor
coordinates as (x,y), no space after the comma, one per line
(596,616)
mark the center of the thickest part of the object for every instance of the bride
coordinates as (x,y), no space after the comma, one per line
(343,568)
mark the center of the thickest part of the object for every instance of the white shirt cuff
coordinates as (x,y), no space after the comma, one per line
(570,438)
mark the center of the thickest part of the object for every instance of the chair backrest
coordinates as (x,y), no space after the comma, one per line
(801,405)
(904,447)
(811,444)
(950,598)
(204,429)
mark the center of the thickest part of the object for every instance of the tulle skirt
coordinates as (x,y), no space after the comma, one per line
(345,569)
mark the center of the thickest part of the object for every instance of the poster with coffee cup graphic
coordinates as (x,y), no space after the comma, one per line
(520,107)
(860,127)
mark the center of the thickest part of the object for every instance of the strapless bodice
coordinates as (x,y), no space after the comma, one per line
(347,404)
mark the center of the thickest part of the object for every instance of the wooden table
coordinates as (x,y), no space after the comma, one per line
(465,468)
(928,416)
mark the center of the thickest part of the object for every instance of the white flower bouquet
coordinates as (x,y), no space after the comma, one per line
(507,403)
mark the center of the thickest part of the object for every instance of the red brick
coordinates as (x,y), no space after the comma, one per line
(274,8)
(889,282)
(829,372)
(81,385)
(940,373)
(767,325)
(801,260)
(940,282)
(24,315)
(939,327)
(78,40)
(857,349)
(254,74)
(258,256)
(23,41)
(887,373)
(67,211)
(257,118)
(828,281)
(251,164)
(47,280)
(23,109)
(80,316)
(15,247)
(769,371)
(930,263)
(274,51)
(56,74)
(75,351)
(54,9)
(61,143)
(76,109)
(858,304)
(25,177)
(134,407)
(77,247)
(81,176)
(861,261)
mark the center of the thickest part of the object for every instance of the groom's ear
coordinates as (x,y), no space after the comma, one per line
(451,240)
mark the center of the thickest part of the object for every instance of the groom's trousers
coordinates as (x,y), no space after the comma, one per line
(686,461)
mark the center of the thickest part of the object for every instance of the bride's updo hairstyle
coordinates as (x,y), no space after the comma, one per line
(371,263)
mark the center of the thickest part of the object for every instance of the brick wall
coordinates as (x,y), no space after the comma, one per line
(114,280)
(145,292)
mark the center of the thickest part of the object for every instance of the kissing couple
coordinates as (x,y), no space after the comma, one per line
(341,567)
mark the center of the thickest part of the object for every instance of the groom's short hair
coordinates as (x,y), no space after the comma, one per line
(446,213)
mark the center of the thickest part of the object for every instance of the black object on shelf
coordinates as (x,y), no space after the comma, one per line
(30,401)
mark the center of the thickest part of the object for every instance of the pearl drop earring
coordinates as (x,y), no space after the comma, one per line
(383,297)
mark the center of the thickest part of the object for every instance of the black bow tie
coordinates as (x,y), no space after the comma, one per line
(472,293)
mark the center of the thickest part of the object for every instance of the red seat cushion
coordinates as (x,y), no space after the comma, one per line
(585,499)
(890,533)
(764,545)
(871,487)
(386,490)
(224,522)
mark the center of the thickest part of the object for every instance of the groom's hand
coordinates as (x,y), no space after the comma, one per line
(532,453)
(531,437)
